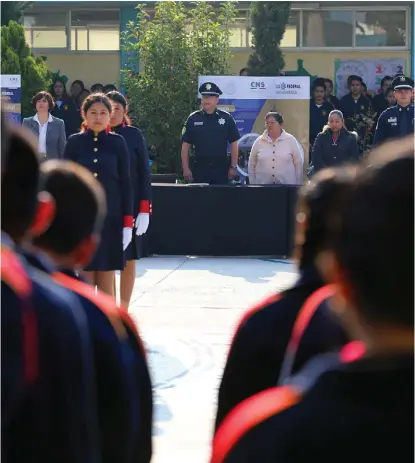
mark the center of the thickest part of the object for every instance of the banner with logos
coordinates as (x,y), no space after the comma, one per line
(11,97)
(249,99)
(370,70)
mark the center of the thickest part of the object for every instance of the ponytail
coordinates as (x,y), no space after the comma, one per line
(127,120)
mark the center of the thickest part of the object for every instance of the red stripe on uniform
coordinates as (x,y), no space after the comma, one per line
(104,302)
(306,313)
(15,276)
(249,414)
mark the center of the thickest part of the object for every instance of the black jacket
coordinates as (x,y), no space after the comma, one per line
(329,153)
(258,348)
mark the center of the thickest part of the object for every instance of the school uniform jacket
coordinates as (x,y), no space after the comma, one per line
(360,410)
(106,155)
(48,398)
(260,342)
(123,384)
(139,167)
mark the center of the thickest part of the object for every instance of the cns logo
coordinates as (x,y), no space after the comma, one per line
(256,85)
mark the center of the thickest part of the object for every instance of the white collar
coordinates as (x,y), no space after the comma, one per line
(35,118)
(267,138)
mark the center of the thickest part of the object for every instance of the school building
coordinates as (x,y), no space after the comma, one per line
(82,39)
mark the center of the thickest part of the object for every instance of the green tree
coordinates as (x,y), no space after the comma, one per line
(180,43)
(12,11)
(17,58)
(268,23)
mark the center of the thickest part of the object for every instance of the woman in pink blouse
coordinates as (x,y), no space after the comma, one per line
(276,156)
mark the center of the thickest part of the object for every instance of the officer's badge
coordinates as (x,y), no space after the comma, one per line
(402,78)
(324,113)
(221,121)
(208,86)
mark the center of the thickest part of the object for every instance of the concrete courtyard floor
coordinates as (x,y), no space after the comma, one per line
(187,309)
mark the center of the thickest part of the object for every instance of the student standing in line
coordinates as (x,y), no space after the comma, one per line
(123,385)
(106,155)
(141,184)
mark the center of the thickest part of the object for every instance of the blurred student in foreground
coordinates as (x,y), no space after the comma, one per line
(356,405)
(259,347)
(48,402)
(123,386)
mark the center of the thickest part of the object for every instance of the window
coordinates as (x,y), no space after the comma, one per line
(292,32)
(328,28)
(46,30)
(93,30)
(380,28)
(238,37)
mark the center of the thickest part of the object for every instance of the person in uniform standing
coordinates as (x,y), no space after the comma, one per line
(65,107)
(319,110)
(210,130)
(398,120)
(379,101)
(330,98)
(106,155)
(141,184)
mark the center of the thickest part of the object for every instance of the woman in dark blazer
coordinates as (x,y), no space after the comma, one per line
(106,155)
(65,108)
(141,184)
(335,145)
(49,130)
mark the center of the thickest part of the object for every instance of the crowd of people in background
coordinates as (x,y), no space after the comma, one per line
(321,370)
(68,105)
(96,132)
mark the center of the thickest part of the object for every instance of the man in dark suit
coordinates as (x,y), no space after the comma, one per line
(49,129)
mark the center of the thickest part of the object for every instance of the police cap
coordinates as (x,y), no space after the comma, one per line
(210,89)
(402,82)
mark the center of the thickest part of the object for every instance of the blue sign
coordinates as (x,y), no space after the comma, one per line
(11,98)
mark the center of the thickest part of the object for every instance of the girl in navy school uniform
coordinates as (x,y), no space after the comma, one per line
(141,184)
(106,155)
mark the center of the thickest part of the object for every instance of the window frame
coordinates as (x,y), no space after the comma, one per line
(353,10)
(235,50)
(68,28)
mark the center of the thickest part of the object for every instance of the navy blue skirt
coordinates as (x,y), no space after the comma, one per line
(109,255)
(135,249)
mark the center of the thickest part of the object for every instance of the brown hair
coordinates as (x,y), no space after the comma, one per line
(91,100)
(44,96)
(277,116)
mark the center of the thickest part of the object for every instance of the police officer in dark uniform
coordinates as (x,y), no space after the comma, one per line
(209,130)
(398,120)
